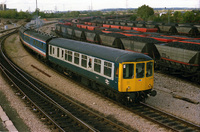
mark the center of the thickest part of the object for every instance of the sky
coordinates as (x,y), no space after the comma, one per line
(77,5)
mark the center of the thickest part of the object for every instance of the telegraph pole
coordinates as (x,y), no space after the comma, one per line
(36,14)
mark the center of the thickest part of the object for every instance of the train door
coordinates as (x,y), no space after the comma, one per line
(62,54)
(149,75)
(90,63)
(140,80)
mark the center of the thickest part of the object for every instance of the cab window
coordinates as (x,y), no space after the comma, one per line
(140,70)
(128,71)
(149,69)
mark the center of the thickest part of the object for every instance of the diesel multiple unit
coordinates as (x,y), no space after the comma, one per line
(117,73)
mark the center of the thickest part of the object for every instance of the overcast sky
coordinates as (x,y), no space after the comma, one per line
(65,5)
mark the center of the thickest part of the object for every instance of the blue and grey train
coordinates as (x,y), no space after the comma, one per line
(120,74)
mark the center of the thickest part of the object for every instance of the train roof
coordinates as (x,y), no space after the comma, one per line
(38,35)
(103,52)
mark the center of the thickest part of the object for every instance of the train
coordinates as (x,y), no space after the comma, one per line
(119,74)
(174,54)
(169,28)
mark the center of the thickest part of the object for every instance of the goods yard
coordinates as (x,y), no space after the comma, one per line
(172,96)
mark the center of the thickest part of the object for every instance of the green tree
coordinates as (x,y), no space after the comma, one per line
(188,17)
(145,12)
(74,13)
(196,16)
(133,17)
(177,16)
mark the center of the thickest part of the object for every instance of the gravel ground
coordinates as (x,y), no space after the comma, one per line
(166,87)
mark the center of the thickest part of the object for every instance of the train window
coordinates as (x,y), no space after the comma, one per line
(128,71)
(27,38)
(140,70)
(66,54)
(97,65)
(76,58)
(33,42)
(58,52)
(36,43)
(90,63)
(84,61)
(149,69)
(107,68)
(53,50)
(50,50)
(41,45)
(62,53)
(69,57)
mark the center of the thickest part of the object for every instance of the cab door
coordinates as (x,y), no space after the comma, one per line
(126,77)
(140,80)
(149,75)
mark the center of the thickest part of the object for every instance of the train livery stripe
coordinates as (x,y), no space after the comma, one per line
(34,48)
(179,62)
(35,38)
(189,42)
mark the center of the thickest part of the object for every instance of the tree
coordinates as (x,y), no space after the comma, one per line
(74,13)
(133,17)
(188,17)
(177,16)
(145,12)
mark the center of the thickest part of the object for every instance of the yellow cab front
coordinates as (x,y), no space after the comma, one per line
(136,76)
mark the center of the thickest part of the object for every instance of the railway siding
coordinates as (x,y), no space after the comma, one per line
(91,100)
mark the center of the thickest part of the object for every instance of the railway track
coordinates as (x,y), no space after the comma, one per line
(58,111)
(157,116)
(164,119)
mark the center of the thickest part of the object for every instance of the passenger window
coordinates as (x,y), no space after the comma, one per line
(90,63)
(76,58)
(97,65)
(58,52)
(66,54)
(69,56)
(140,70)
(128,71)
(62,53)
(107,69)
(42,46)
(84,61)
(51,50)
(149,69)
